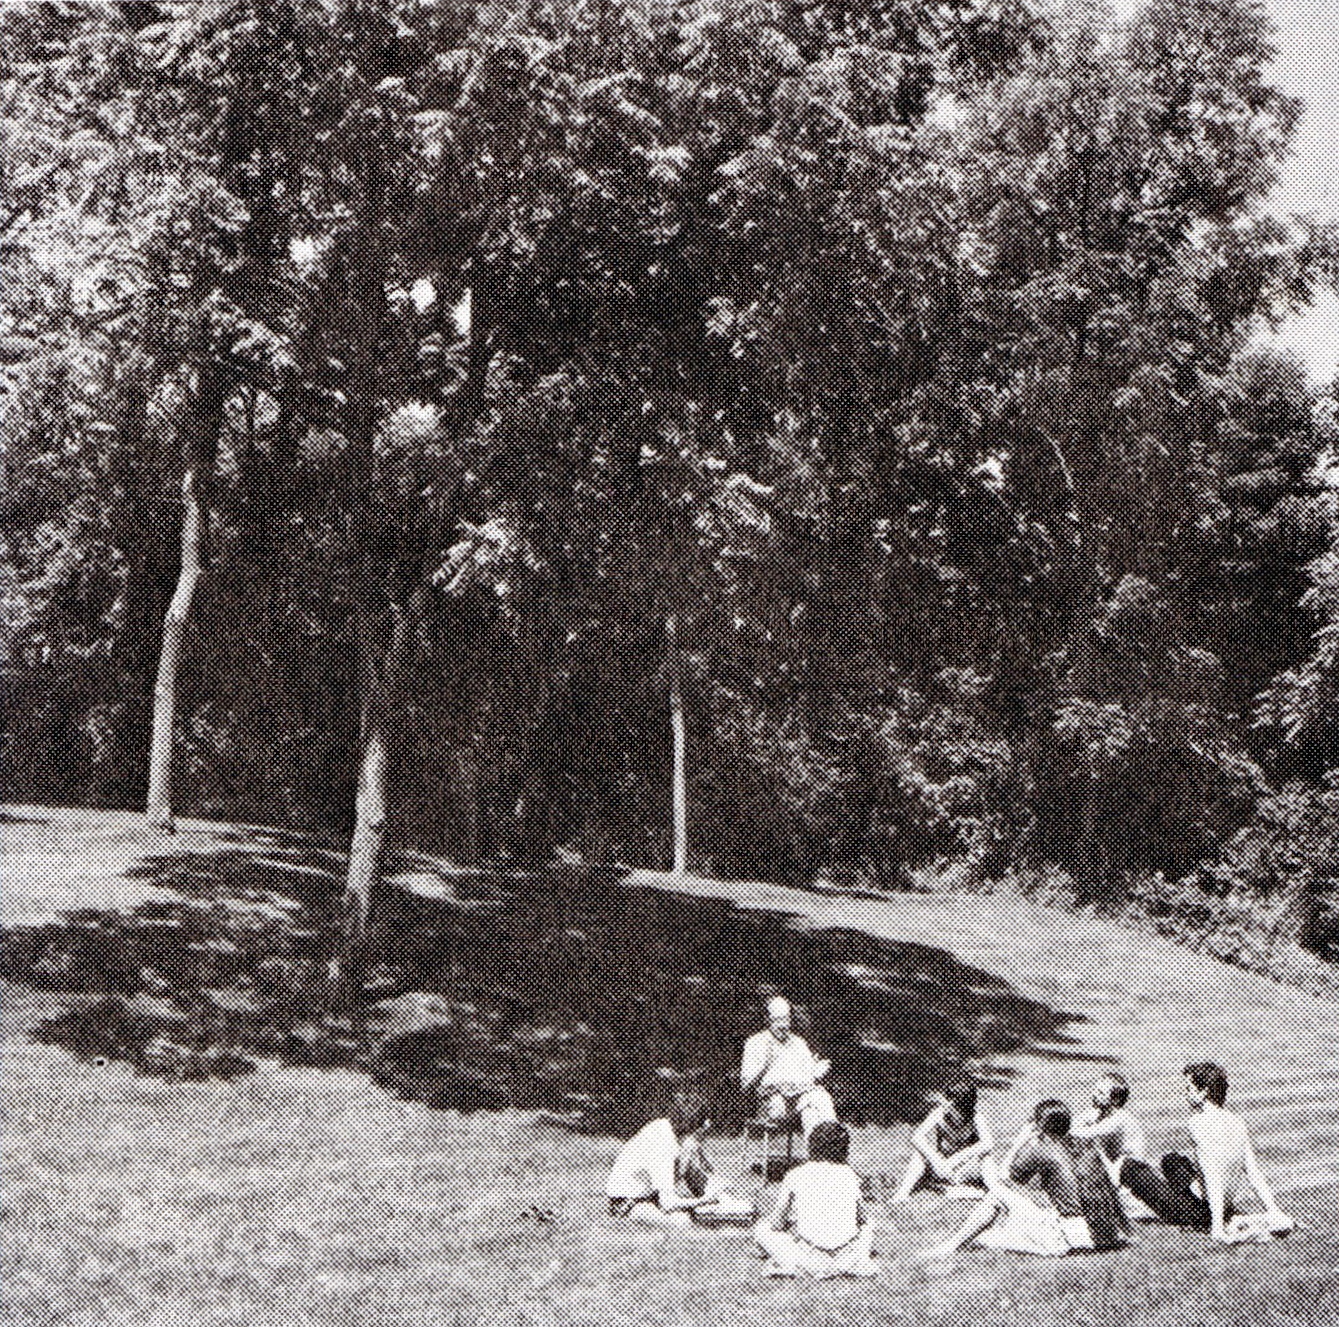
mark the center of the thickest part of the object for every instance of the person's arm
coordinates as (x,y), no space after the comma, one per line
(1099,1128)
(753,1065)
(1258,1181)
(983,1147)
(986,1140)
(923,1141)
(1026,1135)
(785,1199)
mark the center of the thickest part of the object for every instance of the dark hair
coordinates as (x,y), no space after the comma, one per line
(1052,1118)
(1210,1078)
(830,1141)
(688,1114)
(962,1097)
(1120,1089)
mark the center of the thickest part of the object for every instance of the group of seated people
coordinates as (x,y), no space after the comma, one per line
(1056,1189)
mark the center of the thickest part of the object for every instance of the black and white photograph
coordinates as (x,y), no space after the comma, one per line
(669,663)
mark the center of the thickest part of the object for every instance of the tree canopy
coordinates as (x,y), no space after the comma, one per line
(900,353)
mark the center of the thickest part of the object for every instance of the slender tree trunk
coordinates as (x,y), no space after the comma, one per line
(158,807)
(384,663)
(680,792)
(369,827)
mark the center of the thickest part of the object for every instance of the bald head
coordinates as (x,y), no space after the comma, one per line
(778,1017)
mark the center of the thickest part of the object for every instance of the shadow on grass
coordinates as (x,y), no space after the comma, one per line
(566,990)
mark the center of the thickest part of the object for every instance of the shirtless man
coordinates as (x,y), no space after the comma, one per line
(1112,1127)
(778,1065)
(1226,1163)
(1080,1210)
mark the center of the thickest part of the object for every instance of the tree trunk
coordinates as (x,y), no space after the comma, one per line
(383,665)
(158,805)
(369,828)
(680,791)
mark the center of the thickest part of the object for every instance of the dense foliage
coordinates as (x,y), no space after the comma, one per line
(900,351)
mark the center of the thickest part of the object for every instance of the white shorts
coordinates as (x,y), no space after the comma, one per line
(1027,1227)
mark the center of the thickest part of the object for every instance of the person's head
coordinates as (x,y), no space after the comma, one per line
(1110,1091)
(1205,1081)
(1052,1118)
(688,1115)
(779,1017)
(830,1141)
(961,1096)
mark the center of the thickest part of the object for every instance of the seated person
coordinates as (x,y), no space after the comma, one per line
(1111,1126)
(661,1174)
(1081,1210)
(820,1226)
(779,1066)
(1209,1191)
(948,1145)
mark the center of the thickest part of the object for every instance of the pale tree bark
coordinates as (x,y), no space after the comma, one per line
(384,660)
(158,804)
(679,734)
(205,424)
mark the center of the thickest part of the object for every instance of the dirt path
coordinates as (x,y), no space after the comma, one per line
(1146,1005)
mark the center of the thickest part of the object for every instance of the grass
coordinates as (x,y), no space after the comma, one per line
(303,1195)
(556,991)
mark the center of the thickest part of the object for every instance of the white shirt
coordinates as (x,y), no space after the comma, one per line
(768,1063)
(644,1167)
(821,1199)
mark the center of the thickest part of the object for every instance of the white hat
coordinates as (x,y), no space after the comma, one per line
(778,1007)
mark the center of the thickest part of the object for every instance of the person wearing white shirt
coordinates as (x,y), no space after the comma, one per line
(819,1226)
(778,1065)
(657,1170)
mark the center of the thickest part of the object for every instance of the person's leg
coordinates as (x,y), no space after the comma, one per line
(1188,1208)
(968,1170)
(1172,1203)
(781,1248)
(1027,1227)
(979,1220)
(815,1107)
(857,1258)
(911,1180)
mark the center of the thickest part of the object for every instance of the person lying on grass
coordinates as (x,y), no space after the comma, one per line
(1112,1128)
(1209,1191)
(1081,1211)
(661,1174)
(948,1145)
(778,1065)
(820,1226)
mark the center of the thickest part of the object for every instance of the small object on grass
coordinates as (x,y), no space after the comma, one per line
(724,1211)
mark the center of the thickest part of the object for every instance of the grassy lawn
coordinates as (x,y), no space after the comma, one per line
(301,1196)
(298,1194)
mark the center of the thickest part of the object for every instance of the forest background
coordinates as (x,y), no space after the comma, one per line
(414,412)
